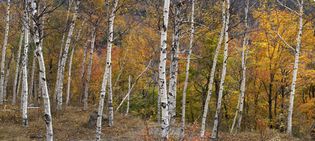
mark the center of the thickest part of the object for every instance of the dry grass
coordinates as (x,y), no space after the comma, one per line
(71,125)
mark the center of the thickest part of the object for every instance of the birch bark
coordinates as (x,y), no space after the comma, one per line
(214,134)
(106,76)
(17,67)
(4,50)
(192,32)
(42,71)
(174,61)
(60,75)
(24,97)
(295,67)
(89,71)
(128,98)
(212,73)
(162,73)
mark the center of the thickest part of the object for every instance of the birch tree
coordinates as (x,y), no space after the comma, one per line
(60,74)
(17,67)
(42,71)
(24,98)
(4,50)
(192,32)
(107,70)
(214,134)
(297,52)
(174,61)
(128,98)
(240,105)
(89,71)
(212,73)
(162,73)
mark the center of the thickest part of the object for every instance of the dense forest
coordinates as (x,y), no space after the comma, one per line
(157,70)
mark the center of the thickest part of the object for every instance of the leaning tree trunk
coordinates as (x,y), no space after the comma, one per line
(70,65)
(89,71)
(162,73)
(107,71)
(295,68)
(17,68)
(24,66)
(42,71)
(128,98)
(4,50)
(174,62)
(214,134)
(110,100)
(60,74)
(212,73)
(192,32)
(240,105)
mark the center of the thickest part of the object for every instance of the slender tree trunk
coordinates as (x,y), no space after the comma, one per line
(212,73)
(162,73)
(174,62)
(62,44)
(128,98)
(239,111)
(295,67)
(4,50)
(89,71)
(82,76)
(192,32)
(32,88)
(70,65)
(7,75)
(60,75)
(24,97)
(17,68)
(42,71)
(110,100)
(107,71)
(214,134)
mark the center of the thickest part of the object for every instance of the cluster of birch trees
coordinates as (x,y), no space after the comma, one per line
(36,13)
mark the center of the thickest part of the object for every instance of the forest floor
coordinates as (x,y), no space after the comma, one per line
(72,125)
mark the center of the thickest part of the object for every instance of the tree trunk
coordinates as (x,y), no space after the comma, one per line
(110,100)
(295,68)
(162,73)
(214,134)
(42,71)
(7,75)
(32,88)
(70,65)
(174,62)
(17,68)
(24,66)
(4,50)
(107,71)
(60,75)
(192,32)
(89,71)
(239,111)
(128,98)
(212,73)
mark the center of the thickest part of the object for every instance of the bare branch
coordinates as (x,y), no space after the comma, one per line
(288,8)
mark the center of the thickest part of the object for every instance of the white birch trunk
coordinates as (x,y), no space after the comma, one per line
(70,65)
(212,73)
(110,100)
(162,73)
(174,62)
(24,97)
(60,75)
(42,71)
(128,98)
(214,134)
(17,68)
(240,105)
(4,50)
(192,32)
(295,67)
(107,70)
(89,71)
